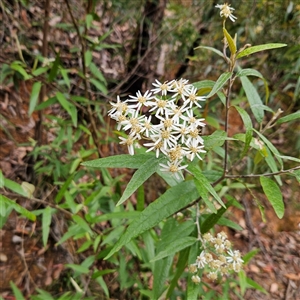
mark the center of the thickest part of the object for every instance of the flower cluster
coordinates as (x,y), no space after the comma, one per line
(226,11)
(217,257)
(165,117)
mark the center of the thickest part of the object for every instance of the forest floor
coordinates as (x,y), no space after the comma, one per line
(24,260)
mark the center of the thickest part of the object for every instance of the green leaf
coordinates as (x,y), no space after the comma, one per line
(161,267)
(273,194)
(249,128)
(220,83)
(272,164)
(82,223)
(17,67)
(288,158)
(39,71)
(15,187)
(253,99)
(89,19)
(21,210)
(46,103)
(16,291)
(65,76)
(46,222)
(54,69)
(247,257)
(88,57)
(172,231)
(205,86)
(259,48)
(231,42)
(140,176)
(64,187)
(249,72)
(228,223)
(119,161)
(204,183)
(255,285)
(167,204)
(78,268)
(34,96)
(181,264)
(212,175)
(211,220)
(2,209)
(176,246)
(192,288)
(97,73)
(73,114)
(271,147)
(252,72)
(68,106)
(288,118)
(99,85)
(296,173)
(1,180)
(211,49)
(242,281)
(116,215)
(161,274)
(204,195)
(43,295)
(216,139)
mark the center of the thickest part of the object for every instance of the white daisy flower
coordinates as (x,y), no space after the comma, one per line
(191,98)
(129,141)
(162,88)
(226,11)
(141,100)
(174,167)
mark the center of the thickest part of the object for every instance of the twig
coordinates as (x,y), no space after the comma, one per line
(25,263)
(39,124)
(44,202)
(264,174)
(198,223)
(82,52)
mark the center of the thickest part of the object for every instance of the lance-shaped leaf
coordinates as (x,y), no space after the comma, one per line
(20,209)
(140,176)
(204,183)
(248,126)
(230,40)
(259,48)
(181,264)
(271,147)
(289,118)
(204,84)
(34,96)
(219,83)
(170,202)
(68,106)
(254,100)
(211,49)
(46,222)
(273,194)
(212,220)
(252,72)
(175,246)
(119,161)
